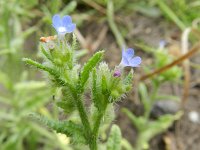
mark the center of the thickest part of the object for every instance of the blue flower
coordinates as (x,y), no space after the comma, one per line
(63,25)
(128,58)
(162,44)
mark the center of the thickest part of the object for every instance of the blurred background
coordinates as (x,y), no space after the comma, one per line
(159,31)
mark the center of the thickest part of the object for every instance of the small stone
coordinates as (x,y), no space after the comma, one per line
(194,116)
(164,107)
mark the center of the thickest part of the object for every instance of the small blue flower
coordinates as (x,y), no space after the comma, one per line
(128,58)
(63,25)
(162,44)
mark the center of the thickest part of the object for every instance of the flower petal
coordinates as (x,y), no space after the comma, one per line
(129,53)
(123,52)
(56,21)
(70,27)
(135,61)
(124,61)
(66,20)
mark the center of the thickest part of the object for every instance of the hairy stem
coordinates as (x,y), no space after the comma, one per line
(82,113)
(85,121)
(97,125)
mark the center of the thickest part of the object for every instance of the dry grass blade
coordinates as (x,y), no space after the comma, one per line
(186,65)
(101,37)
(95,6)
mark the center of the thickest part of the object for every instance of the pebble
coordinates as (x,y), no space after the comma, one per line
(164,107)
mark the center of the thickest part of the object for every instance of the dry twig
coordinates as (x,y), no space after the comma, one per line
(186,65)
(191,52)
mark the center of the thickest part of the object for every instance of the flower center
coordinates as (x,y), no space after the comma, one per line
(62,29)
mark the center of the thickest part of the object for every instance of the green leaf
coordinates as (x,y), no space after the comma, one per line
(114,140)
(96,91)
(67,106)
(40,66)
(47,55)
(154,128)
(41,130)
(104,85)
(139,122)
(67,102)
(80,53)
(69,128)
(128,82)
(51,71)
(129,78)
(4,80)
(69,8)
(93,61)
(28,32)
(74,42)
(30,85)
(5,100)
(145,97)
(112,24)
(170,97)
(36,101)
(126,145)
(168,11)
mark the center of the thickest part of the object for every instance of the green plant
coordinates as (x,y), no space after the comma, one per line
(18,93)
(15,128)
(72,82)
(146,127)
(181,12)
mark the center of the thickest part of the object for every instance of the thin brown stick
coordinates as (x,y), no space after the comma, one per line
(100,39)
(100,9)
(191,52)
(95,6)
(186,66)
(186,83)
(81,39)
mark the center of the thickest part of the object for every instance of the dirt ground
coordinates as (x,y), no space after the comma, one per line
(184,134)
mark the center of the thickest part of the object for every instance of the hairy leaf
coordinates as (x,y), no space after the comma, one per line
(104,85)
(114,140)
(51,71)
(96,92)
(69,128)
(129,78)
(93,61)
(67,106)
(46,54)
(138,122)
(144,97)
